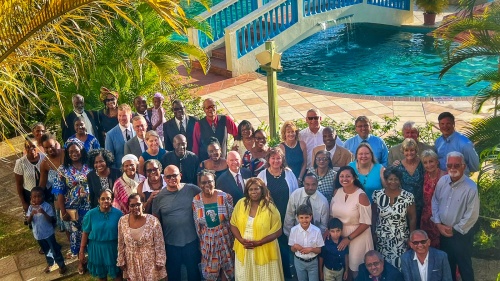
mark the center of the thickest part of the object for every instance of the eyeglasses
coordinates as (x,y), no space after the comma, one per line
(135,205)
(313,118)
(362,126)
(373,264)
(178,108)
(206,182)
(172,176)
(210,107)
(422,242)
(154,170)
(321,159)
(453,166)
(107,100)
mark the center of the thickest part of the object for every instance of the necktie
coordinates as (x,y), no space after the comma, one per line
(144,146)
(238,182)
(308,201)
(127,135)
(181,128)
(213,126)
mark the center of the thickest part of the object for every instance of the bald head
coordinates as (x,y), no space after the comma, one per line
(234,161)
(180,145)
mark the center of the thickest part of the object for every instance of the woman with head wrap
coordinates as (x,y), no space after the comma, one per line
(127,183)
(107,118)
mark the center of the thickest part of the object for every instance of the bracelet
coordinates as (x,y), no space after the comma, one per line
(349,237)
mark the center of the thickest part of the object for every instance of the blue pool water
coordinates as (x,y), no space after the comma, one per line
(362,59)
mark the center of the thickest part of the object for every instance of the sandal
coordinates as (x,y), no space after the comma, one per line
(47,269)
(70,255)
(81,268)
(40,251)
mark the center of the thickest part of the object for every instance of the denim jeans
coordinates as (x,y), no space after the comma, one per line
(306,271)
(50,245)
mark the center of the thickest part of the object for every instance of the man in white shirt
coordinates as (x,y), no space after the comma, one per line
(424,263)
(313,134)
(67,127)
(317,202)
(120,134)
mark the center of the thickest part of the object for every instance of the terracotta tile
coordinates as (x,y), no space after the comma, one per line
(296,101)
(304,107)
(243,116)
(331,110)
(282,103)
(250,101)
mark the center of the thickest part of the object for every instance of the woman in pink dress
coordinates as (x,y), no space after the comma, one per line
(431,177)
(350,205)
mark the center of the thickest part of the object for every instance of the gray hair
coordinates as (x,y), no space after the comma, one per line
(455,154)
(408,125)
(77,96)
(373,253)
(419,231)
(429,153)
(314,110)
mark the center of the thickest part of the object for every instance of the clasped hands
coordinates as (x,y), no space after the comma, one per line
(303,250)
(446,231)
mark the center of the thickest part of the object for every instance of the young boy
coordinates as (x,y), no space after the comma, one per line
(41,215)
(306,242)
(333,264)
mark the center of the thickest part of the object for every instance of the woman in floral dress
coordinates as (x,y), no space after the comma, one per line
(212,210)
(72,192)
(141,248)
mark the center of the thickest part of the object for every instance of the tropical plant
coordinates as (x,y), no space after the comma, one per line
(40,40)
(432,6)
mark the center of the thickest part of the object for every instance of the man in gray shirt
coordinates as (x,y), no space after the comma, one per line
(455,210)
(172,206)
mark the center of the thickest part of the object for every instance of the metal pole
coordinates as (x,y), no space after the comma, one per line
(272,94)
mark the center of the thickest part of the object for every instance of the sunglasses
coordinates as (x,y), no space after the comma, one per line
(206,182)
(453,166)
(210,107)
(178,108)
(313,118)
(422,242)
(321,159)
(107,100)
(373,264)
(135,205)
(172,176)
(154,170)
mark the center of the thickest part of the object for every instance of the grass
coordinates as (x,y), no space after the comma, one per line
(14,236)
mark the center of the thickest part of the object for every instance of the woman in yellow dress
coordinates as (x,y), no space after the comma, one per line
(256,225)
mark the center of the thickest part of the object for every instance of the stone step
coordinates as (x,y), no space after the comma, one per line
(217,66)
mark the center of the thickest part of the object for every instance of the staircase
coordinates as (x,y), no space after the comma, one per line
(241,27)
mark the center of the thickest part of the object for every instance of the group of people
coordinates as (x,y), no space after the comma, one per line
(139,202)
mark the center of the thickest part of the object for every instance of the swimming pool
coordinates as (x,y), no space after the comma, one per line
(378,61)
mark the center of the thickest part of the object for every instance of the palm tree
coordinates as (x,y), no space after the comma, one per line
(40,40)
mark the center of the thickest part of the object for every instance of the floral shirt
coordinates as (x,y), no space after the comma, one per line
(72,183)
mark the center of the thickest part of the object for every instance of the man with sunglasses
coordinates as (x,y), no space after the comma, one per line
(455,210)
(313,134)
(451,140)
(363,128)
(181,123)
(424,263)
(376,268)
(212,125)
(186,161)
(173,207)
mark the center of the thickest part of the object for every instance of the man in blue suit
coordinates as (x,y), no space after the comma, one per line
(233,180)
(424,263)
(121,133)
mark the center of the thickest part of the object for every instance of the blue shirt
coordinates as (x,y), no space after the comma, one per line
(333,259)
(377,144)
(460,143)
(42,228)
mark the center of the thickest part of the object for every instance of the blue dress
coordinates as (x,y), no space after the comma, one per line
(158,156)
(103,241)
(294,158)
(370,182)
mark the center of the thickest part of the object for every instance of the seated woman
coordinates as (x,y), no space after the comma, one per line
(244,140)
(154,150)
(396,211)
(100,238)
(103,176)
(254,159)
(256,225)
(212,210)
(141,248)
(126,184)
(88,141)
(215,162)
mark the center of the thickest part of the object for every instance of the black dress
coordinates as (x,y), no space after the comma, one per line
(104,124)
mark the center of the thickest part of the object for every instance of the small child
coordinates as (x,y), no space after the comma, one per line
(41,215)
(333,264)
(158,114)
(306,242)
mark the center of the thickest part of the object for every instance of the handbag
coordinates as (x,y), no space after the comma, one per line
(73,214)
